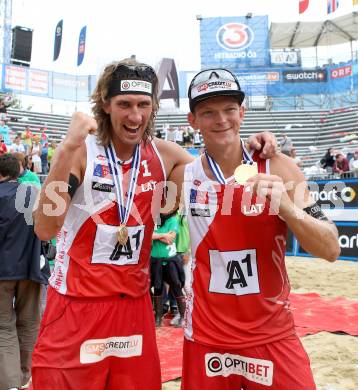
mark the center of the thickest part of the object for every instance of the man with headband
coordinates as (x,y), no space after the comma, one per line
(239,330)
(101,197)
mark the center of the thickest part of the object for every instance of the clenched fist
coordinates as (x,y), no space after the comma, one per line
(80,126)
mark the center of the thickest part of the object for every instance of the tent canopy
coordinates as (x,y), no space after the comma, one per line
(310,34)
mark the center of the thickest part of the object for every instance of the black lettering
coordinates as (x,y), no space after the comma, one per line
(247,260)
(235,275)
(122,250)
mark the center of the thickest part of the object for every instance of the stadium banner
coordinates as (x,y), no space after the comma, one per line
(339,200)
(278,81)
(234,42)
(347,238)
(57,40)
(14,78)
(81,45)
(69,87)
(338,194)
(38,82)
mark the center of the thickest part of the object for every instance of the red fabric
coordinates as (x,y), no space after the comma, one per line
(170,347)
(313,314)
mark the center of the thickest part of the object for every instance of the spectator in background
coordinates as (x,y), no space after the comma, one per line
(341,164)
(26,176)
(170,134)
(353,163)
(297,160)
(17,146)
(158,134)
(43,136)
(3,111)
(21,274)
(179,136)
(328,160)
(197,138)
(5,132)
(187,137)
(27,136)
(44,154)
(51,151)
(167,266)
(285,144)
(3,147)
(35,153)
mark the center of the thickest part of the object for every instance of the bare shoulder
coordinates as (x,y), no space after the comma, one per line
(172,154)
(284,167)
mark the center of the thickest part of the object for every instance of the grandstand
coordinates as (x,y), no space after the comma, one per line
(314,128)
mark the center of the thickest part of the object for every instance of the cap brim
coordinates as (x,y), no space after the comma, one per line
(239,95)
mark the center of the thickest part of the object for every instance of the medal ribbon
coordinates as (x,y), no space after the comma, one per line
(216,170)
(124,210)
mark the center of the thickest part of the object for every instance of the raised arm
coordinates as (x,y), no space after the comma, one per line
(69,158)
(287,189)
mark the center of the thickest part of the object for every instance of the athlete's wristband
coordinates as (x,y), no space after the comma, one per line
(315,211)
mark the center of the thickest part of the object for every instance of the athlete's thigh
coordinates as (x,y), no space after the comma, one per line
(203,369)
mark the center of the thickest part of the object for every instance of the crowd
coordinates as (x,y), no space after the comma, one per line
(36,147)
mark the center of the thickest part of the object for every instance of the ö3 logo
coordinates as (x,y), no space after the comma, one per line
(234,36)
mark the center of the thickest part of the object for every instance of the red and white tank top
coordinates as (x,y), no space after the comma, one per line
(239,288)
(90,262)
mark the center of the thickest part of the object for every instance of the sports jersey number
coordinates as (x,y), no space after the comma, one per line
(107,250)
(234,272)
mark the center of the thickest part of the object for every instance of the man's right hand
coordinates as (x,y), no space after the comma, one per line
(80,126)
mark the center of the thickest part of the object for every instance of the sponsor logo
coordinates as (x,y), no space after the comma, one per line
(93,351)
(346,241)
(215,86)
(233,272)
(273,76)
(347,194)
(136,86)
(343,71)
(197,182)
(104,187)
(255,370)
(305,76)
(198,212)
(234,36)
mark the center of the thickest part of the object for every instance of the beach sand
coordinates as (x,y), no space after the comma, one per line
(334,357)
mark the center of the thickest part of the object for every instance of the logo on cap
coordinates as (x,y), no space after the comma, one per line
(234,36)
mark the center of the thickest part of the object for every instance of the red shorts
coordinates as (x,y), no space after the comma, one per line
(281,365)
(105,343)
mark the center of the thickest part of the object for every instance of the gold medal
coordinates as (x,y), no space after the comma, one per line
(244,172)
(122,234)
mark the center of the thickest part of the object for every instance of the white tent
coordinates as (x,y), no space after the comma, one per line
(311,34)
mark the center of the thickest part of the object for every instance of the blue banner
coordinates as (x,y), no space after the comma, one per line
(290,81)
(234,42)
(81,46)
